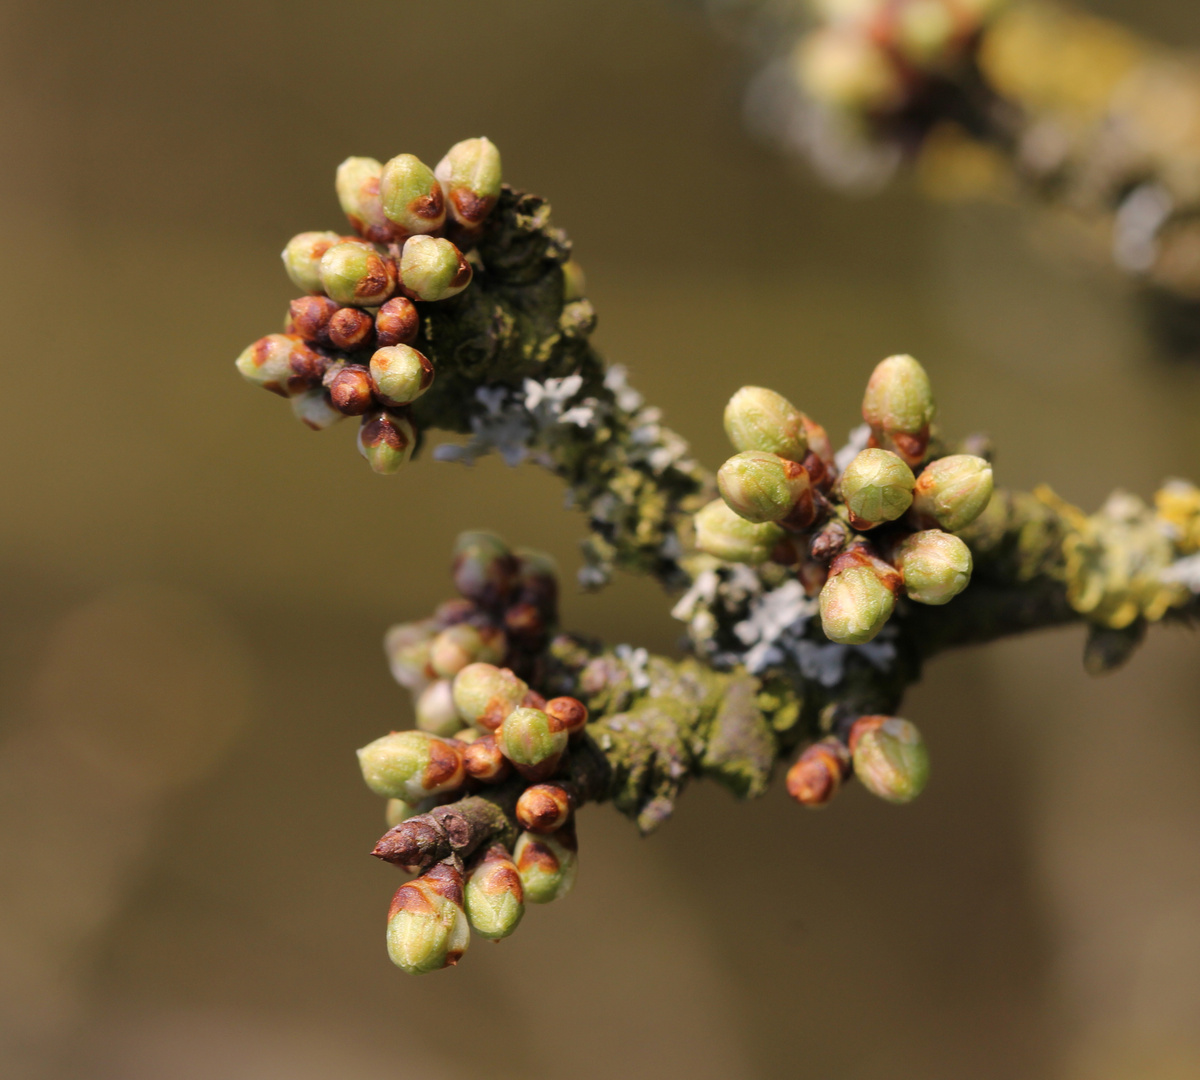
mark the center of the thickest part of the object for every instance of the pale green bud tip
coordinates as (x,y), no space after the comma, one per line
(354,273)
(398,810)
(760,419)
(761,486)
(400,374)
(855,604)
(899,399)
(470,176)
(411,196)
(406,646)
(387,441)
(547,865)
(485,694)
(726,535)
(427,926)
(281,363)
(357,186)
(411,765)
(432,268)
(935,566)
(302,258)
(953,491)
(462,644)
(314,409)
(877,486)
(529,737)
(435,709)
(890,758)
(494,897)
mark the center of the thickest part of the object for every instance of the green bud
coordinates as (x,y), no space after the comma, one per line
(547,864)
(953,491)
(935,566)
(358,193)
(470,177)
(412,197)
(281,363)
(406,646)
(353,272)
(876,486)
(532,741)
(890,758)
(387,441)
(726,535)
(432,268)
(485,694)
(427,927)
(494,897)
(435,710)
(398,810)
(462,644)
(411,765)
(760,419)
(302,258)
(899,399)
(400,374)
(314,409)
(574,282)
(855,604)
(485,570)
(763,487)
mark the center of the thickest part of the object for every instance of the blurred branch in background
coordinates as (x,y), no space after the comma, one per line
(997,99)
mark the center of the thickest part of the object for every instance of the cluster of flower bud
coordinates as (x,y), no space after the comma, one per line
(348,343)
(881,529)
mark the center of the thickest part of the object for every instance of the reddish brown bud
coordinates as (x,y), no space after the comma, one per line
(350,390)
(411,845)
(570,712)
(543,808)
(525,623)
(397,322)
(533,700)
(310,317)
(483,761)
(818,773)
(350,328)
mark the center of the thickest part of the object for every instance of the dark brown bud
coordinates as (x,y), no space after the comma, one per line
(350,328)
(543,808)
(310,317)
(818,773)
(397,322)
(350,390)
(412,844)
(524,622)
(568,711)
(829,540)
(483,761)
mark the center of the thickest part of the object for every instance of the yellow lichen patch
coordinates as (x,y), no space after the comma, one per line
(1178,506)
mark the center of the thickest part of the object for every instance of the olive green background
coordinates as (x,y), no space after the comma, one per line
(194,587)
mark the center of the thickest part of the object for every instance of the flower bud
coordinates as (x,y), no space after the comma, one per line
(398,810)
(568,711)
(427,926)
(494,897)
(411,765)
(935,566)
(485,570)
(890,758)
(406,646)
(397,322)
(281,363)
(470,177)
(412,198)
(350,390)
(485,694)
(899,404)
(314,409)
(760,419)
(468,735)
(765,487)
(310,317)
(400,374)
(532,741)
(357,186)
(350,328)
(855,604)
(537,582)
(547,864)
(817,775)
(435,710)
(543,808)
(387,441)
(877,487)
(302,258)
(432,268)
(354,273)
(454,648)
(483,761)
(726,535)
(526,625)
(953,491)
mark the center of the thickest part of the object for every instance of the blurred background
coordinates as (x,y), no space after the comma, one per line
(194,587)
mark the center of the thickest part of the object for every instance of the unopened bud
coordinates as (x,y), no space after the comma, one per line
(543,808)
(435,710)
(314,409)
(470,177)
(855,605)
(568,711)
(935,566)
(412,197)
(818,773)
(411,765)
(485,694)
(899,404)
(877,486)
(764,487)
(400,374)
(397,322)
(483,760)
(953,491)
(398,810)
(537,582)
(494,897)
(547,864)
(310,317)
(432,268)
(726,535)
(760,419)
(427,926)
(281,363)
(890,758)
(351,328)
(302,258)
(484,570)
(454,648)
(358,193)
(350,390)
(387,441)
(406,646)
(354,273)
(532,741)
